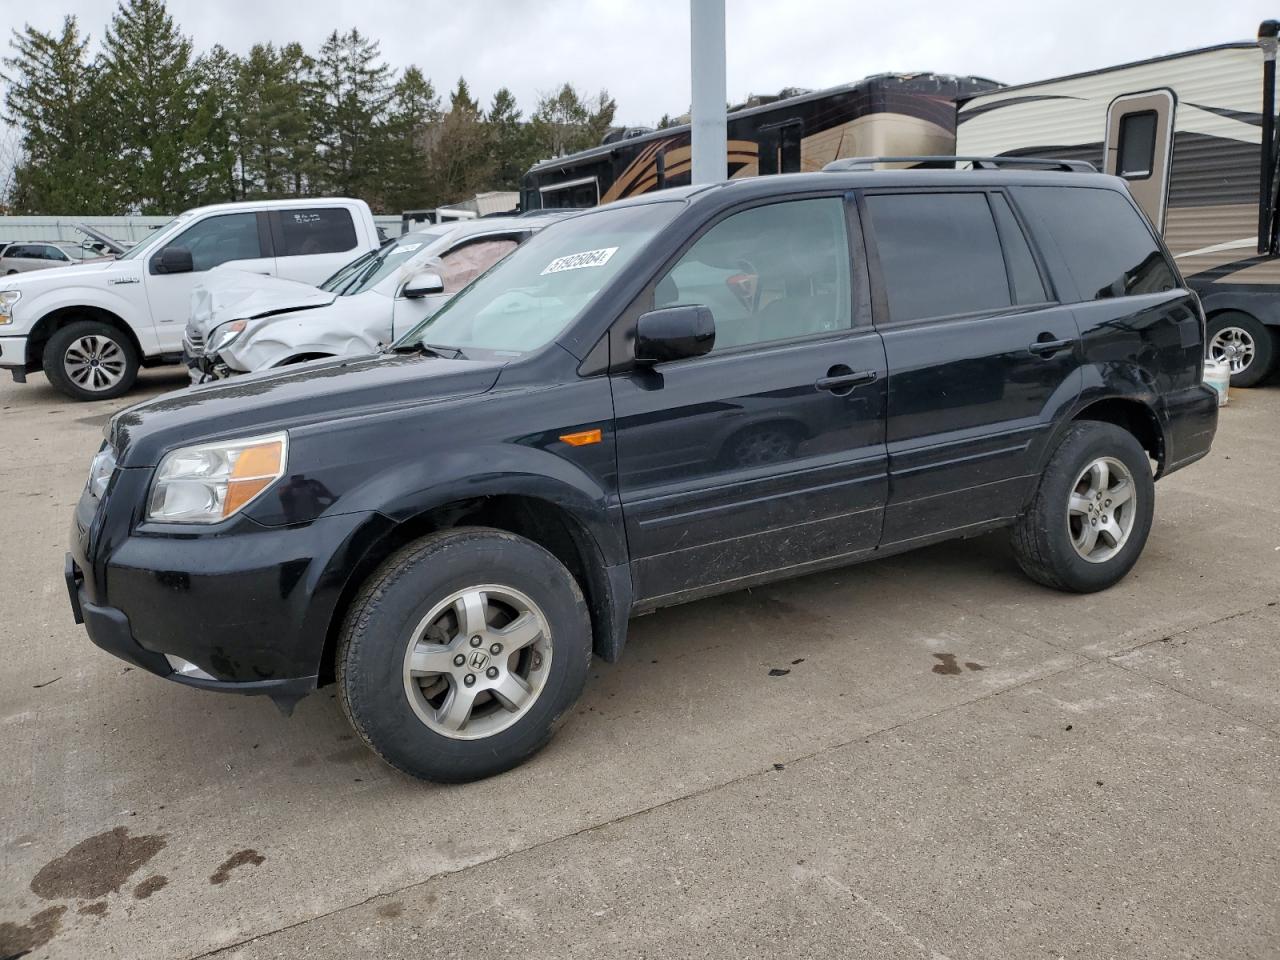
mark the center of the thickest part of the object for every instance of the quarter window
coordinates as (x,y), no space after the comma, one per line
(939,254)
(1137,148)
(314,230)
(217,240)
(769,273)
(1109,249)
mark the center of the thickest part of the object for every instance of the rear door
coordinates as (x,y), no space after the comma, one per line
(1139,147)
(311,243)
(768,453)
(981,356)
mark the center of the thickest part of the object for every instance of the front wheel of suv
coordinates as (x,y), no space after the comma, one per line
(1091,514)
(463,653)
(88,360)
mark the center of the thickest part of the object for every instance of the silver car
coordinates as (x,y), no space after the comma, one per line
(40,255)
(242,322)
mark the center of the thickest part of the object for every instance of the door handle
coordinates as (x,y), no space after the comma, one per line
(841,383)
(1046,348)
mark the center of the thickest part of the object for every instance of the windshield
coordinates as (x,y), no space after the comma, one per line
(149,240)
(365,271)
(526,299)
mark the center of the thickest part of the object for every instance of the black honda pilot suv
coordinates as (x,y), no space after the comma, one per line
(657,400)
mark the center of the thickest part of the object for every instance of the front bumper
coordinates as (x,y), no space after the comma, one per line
(249,605)
(110,630)
(202,369)
(13,356)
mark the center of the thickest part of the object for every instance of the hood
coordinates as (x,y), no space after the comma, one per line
(111,243)
(34,280)
(236,295)
(295,396)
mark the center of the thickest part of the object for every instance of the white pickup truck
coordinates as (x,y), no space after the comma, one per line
(90,327)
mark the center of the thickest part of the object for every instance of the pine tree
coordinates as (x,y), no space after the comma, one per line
(509,141)
(276,148)
(51,98)
(215,133)
(351,90)
(459,154)
(150,85)
(415,108)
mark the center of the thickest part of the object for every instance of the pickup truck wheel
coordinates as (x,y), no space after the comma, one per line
(1245,343)
(1091,515)
(87,360)
(463,653)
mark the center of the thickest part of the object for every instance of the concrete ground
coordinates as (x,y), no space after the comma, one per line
(958,763)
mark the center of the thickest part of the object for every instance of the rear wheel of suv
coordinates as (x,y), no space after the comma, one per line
(88,360)
(1091,515)
(1245,343)
(463,653)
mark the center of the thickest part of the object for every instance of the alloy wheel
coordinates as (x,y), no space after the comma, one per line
(94,363)
(1101,509)
(1234,345)
(477,661)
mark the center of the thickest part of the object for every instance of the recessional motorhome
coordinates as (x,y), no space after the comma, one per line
(882,115)
(1194,135)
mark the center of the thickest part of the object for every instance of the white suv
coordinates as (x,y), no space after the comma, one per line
(90,327)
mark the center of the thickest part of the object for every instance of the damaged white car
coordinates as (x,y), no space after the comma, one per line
(242,322)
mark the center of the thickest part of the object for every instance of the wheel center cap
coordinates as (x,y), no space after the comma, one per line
(479,659)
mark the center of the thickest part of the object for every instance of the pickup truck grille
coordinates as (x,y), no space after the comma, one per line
(193,342)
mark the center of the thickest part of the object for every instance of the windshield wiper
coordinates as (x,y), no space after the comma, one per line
(430,350)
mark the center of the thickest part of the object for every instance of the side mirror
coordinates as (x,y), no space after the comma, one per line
(422,285)
(174,260)
(674,333)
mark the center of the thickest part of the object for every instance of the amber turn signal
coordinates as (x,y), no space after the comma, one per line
(256,469)
(582,437)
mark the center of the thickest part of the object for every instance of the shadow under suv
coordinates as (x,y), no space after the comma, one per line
(654,401)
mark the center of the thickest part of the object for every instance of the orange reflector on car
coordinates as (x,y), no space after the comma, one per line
(255,469)
(581,438)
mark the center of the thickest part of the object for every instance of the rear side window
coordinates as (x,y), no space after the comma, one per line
(939,254)
(315,230)
(1106,245)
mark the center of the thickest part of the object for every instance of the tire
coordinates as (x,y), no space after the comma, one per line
(1243,341)
(408,719)
(1049,538)
(88,360)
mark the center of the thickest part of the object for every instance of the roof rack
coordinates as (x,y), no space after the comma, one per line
(975,163)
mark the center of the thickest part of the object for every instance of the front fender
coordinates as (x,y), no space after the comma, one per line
(42,304)
(276,342)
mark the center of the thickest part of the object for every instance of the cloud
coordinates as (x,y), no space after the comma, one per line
(639,50)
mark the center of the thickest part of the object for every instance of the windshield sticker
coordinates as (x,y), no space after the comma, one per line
(576,261)
(407,247)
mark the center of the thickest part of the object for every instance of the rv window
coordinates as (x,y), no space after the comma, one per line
(949,238)
(1137,147)
(1107,246)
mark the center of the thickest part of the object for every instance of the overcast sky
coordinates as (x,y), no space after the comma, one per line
(639,49)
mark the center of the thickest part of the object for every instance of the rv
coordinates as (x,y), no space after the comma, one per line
(881,115)
(1194,135)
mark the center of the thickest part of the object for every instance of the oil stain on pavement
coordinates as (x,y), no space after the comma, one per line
(17,940)
(95,867)
(240,858)
(947,665)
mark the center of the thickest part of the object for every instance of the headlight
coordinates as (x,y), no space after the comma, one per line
(7,299)
(212,481)
(100,470)
(225,334)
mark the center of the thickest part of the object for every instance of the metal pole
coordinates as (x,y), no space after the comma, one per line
(710,160)
(1267,40)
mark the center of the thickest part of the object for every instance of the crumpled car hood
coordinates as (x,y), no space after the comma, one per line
(237,295)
